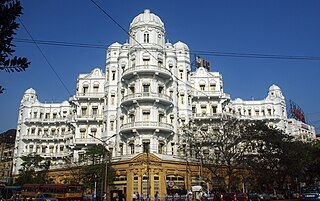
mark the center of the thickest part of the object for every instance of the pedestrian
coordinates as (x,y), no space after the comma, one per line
(104,196)
(189,196)
(134,196)
(156,196)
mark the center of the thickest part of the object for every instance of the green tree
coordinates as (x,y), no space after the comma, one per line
(94,169)
(10,10)
(222,147)
(34,170)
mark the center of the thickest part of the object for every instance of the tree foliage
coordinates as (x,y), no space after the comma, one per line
(10,10)
(34,170)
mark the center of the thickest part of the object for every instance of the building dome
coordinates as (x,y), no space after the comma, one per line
(181,46)
(147,18)
(30,91)
(274,88)
(115,45)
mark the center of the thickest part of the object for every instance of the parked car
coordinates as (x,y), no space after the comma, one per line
(45,197)
(264,196)
(235,197)
(310,193)
(253,196)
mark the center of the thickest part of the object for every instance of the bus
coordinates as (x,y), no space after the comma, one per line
(62,192)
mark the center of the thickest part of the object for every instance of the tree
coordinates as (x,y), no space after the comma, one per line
(34,170)
(222,146)
(94,171)
(10,10)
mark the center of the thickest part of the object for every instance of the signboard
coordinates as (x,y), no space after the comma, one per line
(296,112)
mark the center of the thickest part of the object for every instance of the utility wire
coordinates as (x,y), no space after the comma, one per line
(194,52)
(44,56)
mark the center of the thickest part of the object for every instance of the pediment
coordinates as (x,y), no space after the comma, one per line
(145,157)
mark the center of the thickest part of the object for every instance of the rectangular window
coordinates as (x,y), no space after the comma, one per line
(85,90)
(159,63)
(132,89)
(146,147)
(146,115)
(94,111)
(160,89)
(161,148)
(131,148)
(161,117)
(181,74)
(47,116)
(111,125)
(203,109)
(214,109)
(83,133)
(146,88)
(257,112)
(194,109)
(182,98)
(212,87)
(95,89)
(133,63)
(94,132)
(146,61)
(84,111)
(202,87)
(172,148)
(113,75)
(113,99)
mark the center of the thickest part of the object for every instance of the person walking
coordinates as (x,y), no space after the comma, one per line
(156,196)
(134,196)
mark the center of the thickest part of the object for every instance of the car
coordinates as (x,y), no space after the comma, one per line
(310,193)
(235,196)
(45,197)
(253,196)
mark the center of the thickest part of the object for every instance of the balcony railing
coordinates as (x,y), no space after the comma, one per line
(90,95)
(89,117)
(47,137)
(210,93)
(46,120)
(144,95)
(147,124)
(146,68)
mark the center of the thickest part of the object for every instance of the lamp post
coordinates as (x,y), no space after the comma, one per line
(106,168)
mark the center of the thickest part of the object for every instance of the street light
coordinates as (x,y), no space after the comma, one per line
(106,159)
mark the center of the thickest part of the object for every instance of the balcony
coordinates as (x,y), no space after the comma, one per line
(92,95)
(46,120)
(146,125)
(210,116)
(88,118)
(213,94)
(47,137)
(164,99)
(146,70)
(77,141)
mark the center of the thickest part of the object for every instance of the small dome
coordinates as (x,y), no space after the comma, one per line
(146,18)
(181,46)
(274,87)
(115,45)
(238,100)
(30,91)
(65,103)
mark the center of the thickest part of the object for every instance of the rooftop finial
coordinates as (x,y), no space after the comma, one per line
(146,11)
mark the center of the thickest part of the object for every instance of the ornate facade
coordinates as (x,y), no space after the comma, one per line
(144,96)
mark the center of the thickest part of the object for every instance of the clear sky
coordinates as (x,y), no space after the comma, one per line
(272,27)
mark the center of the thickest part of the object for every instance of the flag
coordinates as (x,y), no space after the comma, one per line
(201,62)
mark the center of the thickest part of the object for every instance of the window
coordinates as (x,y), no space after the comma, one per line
(146,61)
(94,132)
(269,112)
(203,109)
(146,38)
(160,63)
(161,117)
(44,149)
(82,133)
(111,125)
(257,112)
(113,75)
(160,89)
(51,149)
(121,149)
(249,112)
(121,120)
(35,115)
(146,89)
(181,74)
(94,111)
(33,131)
(95,89)
(146,146)
(63,130)
(172,148)
(47,116)
(131,145)
(202,87)
(146,115)
(214,109)
(194,109)
(131,118)
(161,148)
(84,111)
(131,89)
(182,98)
(112,99)
(54,115)
(85,90)
(30,148)
(212,87)
(61,148)
(133,62)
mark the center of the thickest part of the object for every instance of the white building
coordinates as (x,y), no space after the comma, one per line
(145,94)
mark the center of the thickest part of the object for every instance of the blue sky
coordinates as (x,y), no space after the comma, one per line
(286,27)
